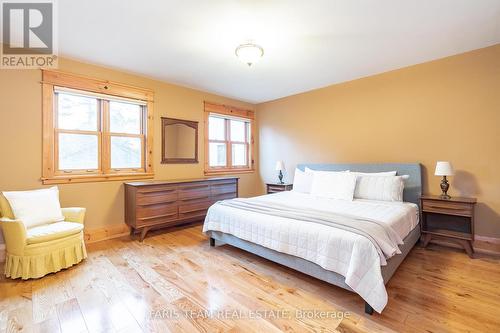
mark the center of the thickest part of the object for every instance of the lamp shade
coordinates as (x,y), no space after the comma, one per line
(444,168)
(280,166)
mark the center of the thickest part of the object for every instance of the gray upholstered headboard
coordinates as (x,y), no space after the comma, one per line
(413,185)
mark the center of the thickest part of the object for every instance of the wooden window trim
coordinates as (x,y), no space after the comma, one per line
(225,110)
(52,80)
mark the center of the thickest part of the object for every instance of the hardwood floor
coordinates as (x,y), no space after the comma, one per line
(170,282)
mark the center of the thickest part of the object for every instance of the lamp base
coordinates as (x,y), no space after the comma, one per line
(280,177)
(444,187)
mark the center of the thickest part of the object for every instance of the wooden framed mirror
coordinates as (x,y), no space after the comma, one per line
(179,142)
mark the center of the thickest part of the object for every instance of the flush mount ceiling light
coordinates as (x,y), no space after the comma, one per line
(249,53)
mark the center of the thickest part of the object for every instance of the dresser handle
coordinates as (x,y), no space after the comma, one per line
(194,210)
(189,188)
(196,198)
(157,203)
(154,193)
(157,216)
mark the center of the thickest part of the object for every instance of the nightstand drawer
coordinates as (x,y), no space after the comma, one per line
(275,188)
(444,207)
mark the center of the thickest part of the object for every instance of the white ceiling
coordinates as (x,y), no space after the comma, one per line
(308,44)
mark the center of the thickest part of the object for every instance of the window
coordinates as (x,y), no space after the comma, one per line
(93,136)
(228,139)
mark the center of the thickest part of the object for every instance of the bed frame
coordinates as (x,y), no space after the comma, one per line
(411,193)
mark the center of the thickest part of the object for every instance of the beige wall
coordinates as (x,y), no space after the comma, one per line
(447,109)
(21,138)
(443,110)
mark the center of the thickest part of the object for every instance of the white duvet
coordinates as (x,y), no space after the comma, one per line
(340,251)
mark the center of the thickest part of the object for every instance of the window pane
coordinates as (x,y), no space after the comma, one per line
(217,153)
(124,118)
(76,112)
(216,128)
(125,153)
(238,130)
(77,151)
(239,154)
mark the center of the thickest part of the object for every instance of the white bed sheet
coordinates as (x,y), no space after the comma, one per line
(340,251)
(401,216)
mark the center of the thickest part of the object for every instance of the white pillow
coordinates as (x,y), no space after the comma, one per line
(385,173)
(35,207)
(382,188)
(302,181)
(333,185)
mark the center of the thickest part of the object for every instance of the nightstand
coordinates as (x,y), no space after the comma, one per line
(273,187)
(450,219)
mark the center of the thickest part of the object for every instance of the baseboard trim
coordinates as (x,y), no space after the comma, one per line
(481,244)
(2,252)
(109,232)
(485,244)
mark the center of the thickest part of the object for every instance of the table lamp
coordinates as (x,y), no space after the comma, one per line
(280,166)
(444,169)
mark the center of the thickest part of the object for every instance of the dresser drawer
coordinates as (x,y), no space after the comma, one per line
(195,209)
(224,196)
(219,189)
(157,188)
(451,208)
(194,192)
(149,211)
(150,198)
(224,182)
(165,219)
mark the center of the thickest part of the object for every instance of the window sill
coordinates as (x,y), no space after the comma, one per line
(94,178)
(227,172)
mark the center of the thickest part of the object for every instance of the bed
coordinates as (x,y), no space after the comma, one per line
(337,256)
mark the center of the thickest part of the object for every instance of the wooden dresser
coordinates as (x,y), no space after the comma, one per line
(154,204)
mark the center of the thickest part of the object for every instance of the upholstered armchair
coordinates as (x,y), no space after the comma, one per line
(32,252)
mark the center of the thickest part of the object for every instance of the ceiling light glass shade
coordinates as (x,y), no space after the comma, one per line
(249,53)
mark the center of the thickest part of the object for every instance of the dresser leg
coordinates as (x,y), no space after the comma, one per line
(212,242)
(144,231)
